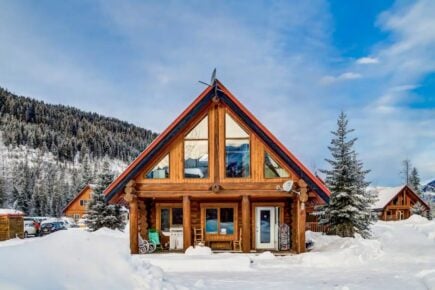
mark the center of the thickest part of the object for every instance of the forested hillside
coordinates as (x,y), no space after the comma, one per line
(49,152)
(66,131)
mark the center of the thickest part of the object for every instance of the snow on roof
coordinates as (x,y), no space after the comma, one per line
(9,211)
(384,195)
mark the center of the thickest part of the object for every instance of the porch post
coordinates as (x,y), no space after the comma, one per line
(131,198)
(299,217)
(246,224)
(186,223)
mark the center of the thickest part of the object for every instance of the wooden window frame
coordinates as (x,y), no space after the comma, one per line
(154,164)
(170,206)
(278,162)
(233,205)
(238,122)
(206,115)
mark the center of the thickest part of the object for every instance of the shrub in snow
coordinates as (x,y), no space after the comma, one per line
(349,208)
(419,209)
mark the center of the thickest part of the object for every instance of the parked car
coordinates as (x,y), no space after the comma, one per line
(50,226)
(69,222)
(29,228)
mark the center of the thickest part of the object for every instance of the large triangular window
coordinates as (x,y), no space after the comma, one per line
(237,151)
(272,169)
(161,170)
(196,151)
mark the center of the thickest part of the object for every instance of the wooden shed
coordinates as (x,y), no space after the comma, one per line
(218,174)
(11,224)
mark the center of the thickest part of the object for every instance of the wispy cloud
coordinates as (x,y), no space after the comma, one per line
(367,60)
(327,80)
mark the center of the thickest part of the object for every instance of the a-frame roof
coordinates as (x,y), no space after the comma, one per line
(88,186)
(386,194)
(188,114)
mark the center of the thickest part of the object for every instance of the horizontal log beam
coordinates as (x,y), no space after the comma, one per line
(207,186)
(208,194)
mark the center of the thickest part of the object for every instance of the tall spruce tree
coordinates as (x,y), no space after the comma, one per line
(101,214)
(414,181)
(349,208)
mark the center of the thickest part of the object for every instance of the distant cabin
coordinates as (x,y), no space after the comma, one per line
(78,206)
(395,203)
(11,224)
(215,176)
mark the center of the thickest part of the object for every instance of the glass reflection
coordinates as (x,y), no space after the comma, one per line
(161,170)
(272,169)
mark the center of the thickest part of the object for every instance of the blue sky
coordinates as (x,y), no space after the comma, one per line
(294,64)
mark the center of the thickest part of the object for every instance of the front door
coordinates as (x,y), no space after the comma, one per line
(265,231)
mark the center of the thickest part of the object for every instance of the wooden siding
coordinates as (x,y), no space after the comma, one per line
(75,208)
(11,227)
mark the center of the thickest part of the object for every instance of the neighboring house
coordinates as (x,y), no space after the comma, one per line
(11,224)
(395,203)
(78,206)
(217,170)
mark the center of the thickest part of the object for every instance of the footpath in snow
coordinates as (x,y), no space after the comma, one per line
(401,255)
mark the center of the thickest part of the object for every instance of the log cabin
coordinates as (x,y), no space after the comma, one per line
(395,203)
(78,206)
(215,175)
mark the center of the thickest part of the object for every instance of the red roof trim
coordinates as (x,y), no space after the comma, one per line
(156,141)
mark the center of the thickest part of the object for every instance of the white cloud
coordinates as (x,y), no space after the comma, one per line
(327,80)
(367,60)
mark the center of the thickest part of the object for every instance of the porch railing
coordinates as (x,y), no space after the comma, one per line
(315,227)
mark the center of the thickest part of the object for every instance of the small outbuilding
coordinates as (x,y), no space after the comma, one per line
(11,224)
(395,203)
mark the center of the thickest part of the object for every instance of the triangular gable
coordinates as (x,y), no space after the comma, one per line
(190,113)
(401,189)
(76,197)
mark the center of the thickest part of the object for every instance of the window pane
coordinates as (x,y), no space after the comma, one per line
(161,170)
(200,131)
(196,159)
(164,219)
(227,221)
(177,216)
(211,225)
(265,226)
(237,158)
(272,168)
(232,129)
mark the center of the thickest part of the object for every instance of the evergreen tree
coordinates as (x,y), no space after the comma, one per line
(419,209)
(406,170)
(414,181)
(99,213)
(348,211)
(2,192)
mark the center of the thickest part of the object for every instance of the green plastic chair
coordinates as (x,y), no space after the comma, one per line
(154,238)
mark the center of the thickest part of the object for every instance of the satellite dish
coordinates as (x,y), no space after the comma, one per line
(288,185)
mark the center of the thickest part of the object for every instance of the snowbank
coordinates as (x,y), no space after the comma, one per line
(224,262)
(198,251)
(335,251)
(75,259)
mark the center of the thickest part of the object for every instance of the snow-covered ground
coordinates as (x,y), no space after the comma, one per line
(400,256)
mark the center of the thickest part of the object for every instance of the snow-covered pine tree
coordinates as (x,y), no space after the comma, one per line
(348,211)
(2,192)
(414,181)
(419,209)
(99,213)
